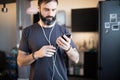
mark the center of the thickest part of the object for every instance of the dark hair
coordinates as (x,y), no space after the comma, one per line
(45,1)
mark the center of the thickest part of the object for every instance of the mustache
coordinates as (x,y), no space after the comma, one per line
(49,17)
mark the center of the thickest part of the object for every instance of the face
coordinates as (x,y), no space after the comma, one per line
(48,12)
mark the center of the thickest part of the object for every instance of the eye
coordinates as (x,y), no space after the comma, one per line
(46,9)
(53,9)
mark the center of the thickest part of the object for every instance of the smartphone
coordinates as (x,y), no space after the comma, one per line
(68,35)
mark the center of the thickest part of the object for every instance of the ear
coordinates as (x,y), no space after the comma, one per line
(39,9)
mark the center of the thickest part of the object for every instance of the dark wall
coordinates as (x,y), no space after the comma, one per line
(84,19)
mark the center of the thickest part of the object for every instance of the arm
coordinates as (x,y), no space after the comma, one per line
(73,54)
(65,45)
(24,59)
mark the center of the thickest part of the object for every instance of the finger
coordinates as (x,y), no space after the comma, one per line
(62,41)
(57,41)
(49,54)
(67,38)
(62,45)
(51,47)
(51,50)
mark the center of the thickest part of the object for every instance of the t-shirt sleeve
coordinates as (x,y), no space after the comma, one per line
(24,41)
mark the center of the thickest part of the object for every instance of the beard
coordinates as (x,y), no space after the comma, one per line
(48,20)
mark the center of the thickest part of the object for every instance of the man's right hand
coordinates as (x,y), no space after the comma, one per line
(45,51)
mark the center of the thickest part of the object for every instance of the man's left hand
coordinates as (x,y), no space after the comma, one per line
(64,43)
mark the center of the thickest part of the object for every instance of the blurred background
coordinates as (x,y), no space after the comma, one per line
(85,19)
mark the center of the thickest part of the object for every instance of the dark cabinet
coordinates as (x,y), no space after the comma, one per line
(91,65)
(88,69)
(85,20)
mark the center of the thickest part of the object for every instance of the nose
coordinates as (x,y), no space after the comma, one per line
(51,13)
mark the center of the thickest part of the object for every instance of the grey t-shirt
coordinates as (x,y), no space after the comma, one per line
(32,40)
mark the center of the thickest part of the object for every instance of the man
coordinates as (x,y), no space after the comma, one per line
(44,45)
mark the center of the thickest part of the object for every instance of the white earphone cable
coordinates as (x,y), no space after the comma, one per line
(53,58)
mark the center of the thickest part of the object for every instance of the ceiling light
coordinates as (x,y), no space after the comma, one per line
(4,9)
(32,10)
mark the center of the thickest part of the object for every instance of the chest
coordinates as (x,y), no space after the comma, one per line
(38,38)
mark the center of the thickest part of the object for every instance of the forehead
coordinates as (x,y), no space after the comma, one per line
(50,5)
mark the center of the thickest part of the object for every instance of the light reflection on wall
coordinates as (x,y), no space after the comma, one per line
(87,40)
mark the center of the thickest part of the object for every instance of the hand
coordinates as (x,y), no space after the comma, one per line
(45,51)
(64,44)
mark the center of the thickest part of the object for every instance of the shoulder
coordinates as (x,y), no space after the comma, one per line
(61,27)
(29,29)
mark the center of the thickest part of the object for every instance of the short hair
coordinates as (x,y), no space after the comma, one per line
(45,1)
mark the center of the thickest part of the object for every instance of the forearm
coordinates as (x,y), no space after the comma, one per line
(23,59)
(64,43)
(73,54)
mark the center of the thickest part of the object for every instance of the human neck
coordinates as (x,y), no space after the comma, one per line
(44,25)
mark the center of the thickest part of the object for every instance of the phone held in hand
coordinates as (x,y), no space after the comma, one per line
(68,35)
